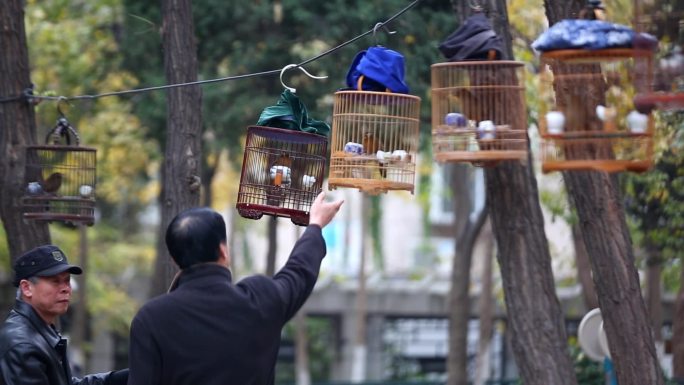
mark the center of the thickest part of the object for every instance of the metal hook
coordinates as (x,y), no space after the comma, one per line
(59,106)
(378,26)
(287,67)
(475,6)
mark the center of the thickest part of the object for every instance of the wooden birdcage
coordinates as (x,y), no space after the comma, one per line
(587,117)
(60,179)
(282,173)
(374,141)
(478,112)
(667,93)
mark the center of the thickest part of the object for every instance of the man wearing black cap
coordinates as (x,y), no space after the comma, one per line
(31,349)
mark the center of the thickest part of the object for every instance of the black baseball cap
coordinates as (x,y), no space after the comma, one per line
(43,261)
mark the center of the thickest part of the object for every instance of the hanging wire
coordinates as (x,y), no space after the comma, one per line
(208,81)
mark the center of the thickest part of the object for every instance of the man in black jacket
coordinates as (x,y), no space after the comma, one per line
(31,349)
(209,331)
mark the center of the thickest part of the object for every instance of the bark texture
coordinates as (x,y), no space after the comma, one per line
(536,320)
(597,199)
(17,130)
(466,230)
(181,179)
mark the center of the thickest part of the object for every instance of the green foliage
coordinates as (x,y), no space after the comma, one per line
(588,372)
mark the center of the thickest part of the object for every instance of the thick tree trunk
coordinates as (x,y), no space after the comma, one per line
(17,130)
(181,180)
(358,368)
(272,245)
(597,199)
(302,373)
(485,310)
(584,269)
(598,202)
(678,330)
(536,320)
(466,231)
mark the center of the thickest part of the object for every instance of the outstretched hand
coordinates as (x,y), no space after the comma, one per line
(323,212)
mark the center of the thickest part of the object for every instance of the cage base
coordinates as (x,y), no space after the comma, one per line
(256,211)
(87,220)
(482,156)
(369,186)
(605,165)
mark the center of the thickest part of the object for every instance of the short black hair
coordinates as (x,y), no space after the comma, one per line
(194,236)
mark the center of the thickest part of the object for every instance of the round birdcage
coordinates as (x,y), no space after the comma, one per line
(588,120)
(282,173)
(478,112)
(374,141)
(667,25)
(60,179)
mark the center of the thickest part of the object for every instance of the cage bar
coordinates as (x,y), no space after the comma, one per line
(478,112)
(588,120)
(60,184)
(282,173)
(374,141)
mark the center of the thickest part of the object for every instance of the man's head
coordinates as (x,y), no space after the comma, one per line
(196,236)
(43,276)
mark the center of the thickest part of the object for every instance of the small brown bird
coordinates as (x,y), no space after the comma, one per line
(371,145)
(52,183)
(284,159)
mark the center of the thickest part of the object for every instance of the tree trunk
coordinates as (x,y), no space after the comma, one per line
(485,309)
(272,245)
(584,269)
(536,320)
(678,330)
(358,369)
(302,374)
(466,232)
(654,302)
(181,180)
(17,130)
(598,201)
(78,330)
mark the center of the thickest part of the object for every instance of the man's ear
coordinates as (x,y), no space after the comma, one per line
(224,257)
(26,288)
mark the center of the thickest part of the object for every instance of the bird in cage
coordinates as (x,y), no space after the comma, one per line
(371,146)
(46,186)
(281,177)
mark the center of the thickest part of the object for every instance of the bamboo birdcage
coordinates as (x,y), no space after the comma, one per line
(60,179)
(374,141)
(282,173)
(588,120)
(478,112)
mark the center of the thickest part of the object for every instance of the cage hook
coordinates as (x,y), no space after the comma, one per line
(60,100)
(383,26)
(63,128)
(475,6)
(287,67)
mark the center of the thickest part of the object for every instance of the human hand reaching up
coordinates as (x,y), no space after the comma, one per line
(323,212)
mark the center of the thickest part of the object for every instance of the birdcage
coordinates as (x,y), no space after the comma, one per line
(588,120)
(667,93)
(282,173)
(478,112)
(374,141)
(60,179)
